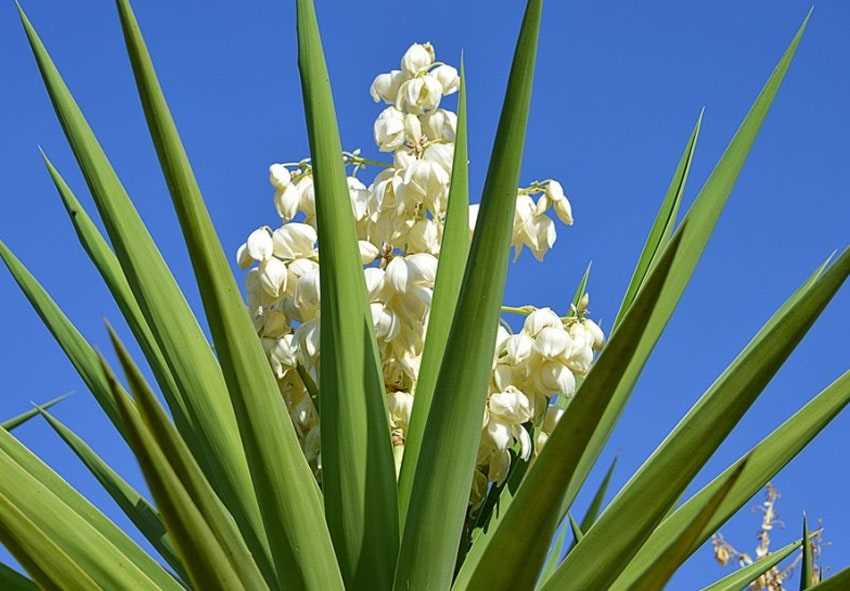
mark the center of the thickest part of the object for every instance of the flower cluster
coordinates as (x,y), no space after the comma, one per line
(399,218)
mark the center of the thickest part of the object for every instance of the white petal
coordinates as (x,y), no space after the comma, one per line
(279,176)
(243,259)
(273,274)
(259,244)
(397,274)
(368,251)
(540,319)
(552,341)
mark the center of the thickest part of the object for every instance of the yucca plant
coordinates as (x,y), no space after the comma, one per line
(400,488)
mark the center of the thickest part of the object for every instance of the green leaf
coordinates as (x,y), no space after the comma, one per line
(701,219)
(590,515)
(575,528)
(677,552)
(444,471)
(665,221)
(176,330)
(110,270)
(763,462)
(452,262)
(78,350)
(186,469)
(516,549)
(742,577)
(653,489)
(208,564)
(358,470)
(17,421)
(145,517)
(838,582)
(581,288)
(598,498)
(807,564)
(80,530)
(42,558)
(290,503)
(12,580)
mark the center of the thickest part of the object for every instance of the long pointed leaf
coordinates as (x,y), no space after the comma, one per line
(43,559)
(107,264)
(175,328)
(452,262)
(677,552)
(653,489)
(145,517)
(665,221)
(444,471)
(78,350)
(701,217)
(17,421)
(289,501)
(746,575)
(595,506)
(358,471)
(807,564)
(763,462)
(184,466)
(207,563)
(837,582)
(516,550)
(12,580)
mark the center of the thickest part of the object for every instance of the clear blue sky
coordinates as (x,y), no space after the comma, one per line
(619,85)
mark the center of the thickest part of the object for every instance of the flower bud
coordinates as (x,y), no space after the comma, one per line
(243,259)
(540,319)
(273,274)
(440,125)
(294,240)
(286,201)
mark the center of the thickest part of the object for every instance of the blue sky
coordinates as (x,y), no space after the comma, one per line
(618,87)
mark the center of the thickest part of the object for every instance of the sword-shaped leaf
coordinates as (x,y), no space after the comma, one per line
(208,564)
(290,504)
(746,575)
(12,580)
(763,462)
(52,569)
(107,264)
(838,582)
(177,332)
(79,529)
(145,517)
(677,552)
(807,564)
(78,350)
(358,470)
(17,421)
(444,471)
(645,500)
(452,262)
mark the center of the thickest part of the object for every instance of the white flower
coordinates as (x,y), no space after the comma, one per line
(419,95)
(448,78)
(418,57)
(518,348)
(282,354)
(540,319)
(596,334)
(552,341)
(374,282)
(440,124)
(273,275)
(294,240)
(307,198)
(553,377)
(385,321)
(424,236)
(368,251)
(389,129)
(307,291)
(243,259)
(511,406)
(286,201)
(400,406)
(385,86)
(279,176)
(259,245)
(412,128)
